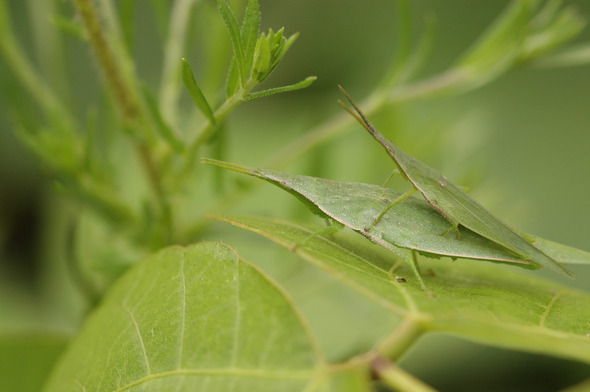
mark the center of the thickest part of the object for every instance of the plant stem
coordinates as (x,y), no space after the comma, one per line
(170,80)
(48,46)
(22,68)
(397,378)
(107,61)
(125,95)
(209,128)
(404,337)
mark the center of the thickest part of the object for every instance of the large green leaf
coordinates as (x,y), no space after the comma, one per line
(483,302)
(191,319)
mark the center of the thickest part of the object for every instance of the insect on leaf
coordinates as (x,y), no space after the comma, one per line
(453,203)
(413,224)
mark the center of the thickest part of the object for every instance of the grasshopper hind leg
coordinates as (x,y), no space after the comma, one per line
(413,261)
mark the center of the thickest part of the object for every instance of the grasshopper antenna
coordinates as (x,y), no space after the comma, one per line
(357,113)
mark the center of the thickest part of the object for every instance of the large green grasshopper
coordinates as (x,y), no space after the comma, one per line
(413,226)
(452,202)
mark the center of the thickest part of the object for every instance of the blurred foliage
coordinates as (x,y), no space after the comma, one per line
(98,138)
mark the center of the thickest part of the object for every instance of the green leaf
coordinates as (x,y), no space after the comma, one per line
(282,49)
(190,319)
(262,58)
(499,47)
(571,57)
(560,27)
(296,86)
(236,39)
(188,78)
(249,32)
(485,303)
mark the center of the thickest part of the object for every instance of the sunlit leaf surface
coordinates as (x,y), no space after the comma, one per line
(191,319)
(487,303)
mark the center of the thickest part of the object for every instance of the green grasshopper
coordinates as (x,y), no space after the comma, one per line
(414,226)
(451,201)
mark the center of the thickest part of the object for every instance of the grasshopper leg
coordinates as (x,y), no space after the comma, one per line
(454,227)
(389,207)
(413,261)
(393,173)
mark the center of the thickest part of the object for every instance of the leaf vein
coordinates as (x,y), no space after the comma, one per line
(183,310)
(138,332)
(236,335)
(232,372)
(548,309)
(79,384)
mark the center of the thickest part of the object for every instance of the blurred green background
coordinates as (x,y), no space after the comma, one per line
(521,144)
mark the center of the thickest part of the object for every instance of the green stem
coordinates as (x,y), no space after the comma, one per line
(208,129)
(155,180)
(170,80)
(122,85)
(107,10)
(48,46)
(107,61)
(404,337)
(24,71)
(397,378)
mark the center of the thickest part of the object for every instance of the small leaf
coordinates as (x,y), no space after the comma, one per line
(236,39)
(571,57)
(499,45)
(276,39)
(563,27)
(189,81)
(190,319)
(249,32)
(283,48)
(297,86)
(261,58)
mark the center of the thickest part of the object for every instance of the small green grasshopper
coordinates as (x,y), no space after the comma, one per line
(451,201)
(414,226)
